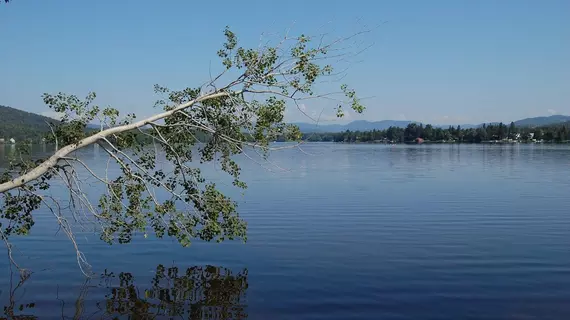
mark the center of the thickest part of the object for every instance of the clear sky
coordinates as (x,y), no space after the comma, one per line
(442,62)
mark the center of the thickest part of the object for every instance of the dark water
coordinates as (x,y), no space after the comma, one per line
(349,232)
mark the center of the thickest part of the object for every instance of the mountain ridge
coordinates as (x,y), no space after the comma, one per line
(21,125)
(365,125)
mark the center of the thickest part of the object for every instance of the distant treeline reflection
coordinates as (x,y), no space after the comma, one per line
(195,293)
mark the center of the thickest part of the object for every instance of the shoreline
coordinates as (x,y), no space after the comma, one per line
(453,142)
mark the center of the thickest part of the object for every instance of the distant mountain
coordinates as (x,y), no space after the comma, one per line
(358,125)
(22,125)
(363,125)
(542,121)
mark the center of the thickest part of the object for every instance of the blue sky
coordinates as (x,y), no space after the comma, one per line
(442,62)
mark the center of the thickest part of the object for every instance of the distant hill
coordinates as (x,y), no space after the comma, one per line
(22,125)
(542,121)
(358,125)
(363,125)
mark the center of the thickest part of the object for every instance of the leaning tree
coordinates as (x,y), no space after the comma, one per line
(239,110)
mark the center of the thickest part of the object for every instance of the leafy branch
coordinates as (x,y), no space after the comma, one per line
(239,110)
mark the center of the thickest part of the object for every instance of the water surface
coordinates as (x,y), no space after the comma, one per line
(339,232)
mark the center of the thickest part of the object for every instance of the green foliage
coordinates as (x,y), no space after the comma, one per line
(17,206)
(195,125)
(77,114)
(354,101)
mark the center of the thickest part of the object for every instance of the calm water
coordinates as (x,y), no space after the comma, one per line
(347,232)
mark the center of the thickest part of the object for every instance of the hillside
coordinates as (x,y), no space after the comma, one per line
(542,121)
(22,125)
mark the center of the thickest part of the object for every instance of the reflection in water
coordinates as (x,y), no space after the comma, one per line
(14,309)
(195,293)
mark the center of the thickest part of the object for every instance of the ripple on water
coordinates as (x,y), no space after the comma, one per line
(362,232)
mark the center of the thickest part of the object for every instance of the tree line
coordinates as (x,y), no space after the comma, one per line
(556,133)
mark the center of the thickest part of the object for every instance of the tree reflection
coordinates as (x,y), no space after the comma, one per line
(15,310)
(198,293)
(195,293)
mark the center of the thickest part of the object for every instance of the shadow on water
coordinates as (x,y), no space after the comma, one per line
(198,292)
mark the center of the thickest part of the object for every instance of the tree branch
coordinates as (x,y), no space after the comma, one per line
(52,161)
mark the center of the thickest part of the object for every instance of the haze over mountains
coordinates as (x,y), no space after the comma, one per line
(363,125)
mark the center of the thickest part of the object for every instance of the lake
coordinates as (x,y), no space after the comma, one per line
(336,231)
